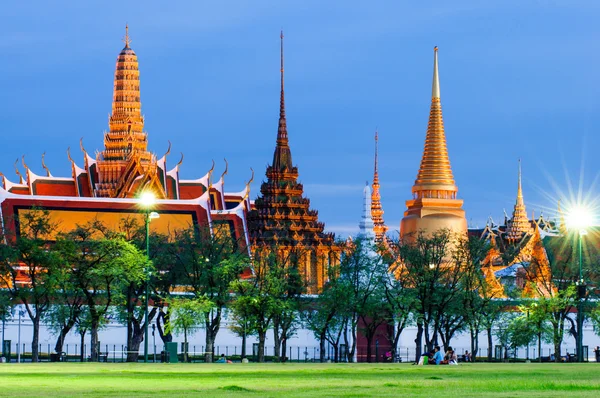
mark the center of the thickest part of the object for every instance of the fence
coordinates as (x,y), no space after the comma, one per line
(196,353)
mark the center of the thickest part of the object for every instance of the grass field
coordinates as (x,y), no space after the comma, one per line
(299,380)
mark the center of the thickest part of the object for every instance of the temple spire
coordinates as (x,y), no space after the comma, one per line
(435,87)
(376,209)
(519,225)
(126,38)
(435,178)
(282,158)
(434,205)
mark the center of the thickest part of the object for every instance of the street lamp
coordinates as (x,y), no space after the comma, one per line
(147,200)
(578,219)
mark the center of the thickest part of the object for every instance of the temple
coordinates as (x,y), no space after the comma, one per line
(434,205)
(515,246)
(379,226)
(282,219)
(107,186)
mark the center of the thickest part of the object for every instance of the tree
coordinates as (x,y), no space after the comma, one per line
(260,301)
(210,261)
(102,262)
(552,276)
(242,321)
(28,264)
(477,298)
(186,315)
(428,267)
(360,275)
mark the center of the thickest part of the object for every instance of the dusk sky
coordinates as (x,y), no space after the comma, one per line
(519,79)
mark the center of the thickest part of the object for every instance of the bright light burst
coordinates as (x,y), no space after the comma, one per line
(147,199)
(579,217)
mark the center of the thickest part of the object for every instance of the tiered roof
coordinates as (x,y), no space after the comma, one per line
(282,215)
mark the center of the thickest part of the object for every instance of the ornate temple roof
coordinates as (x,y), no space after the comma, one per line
(282,214)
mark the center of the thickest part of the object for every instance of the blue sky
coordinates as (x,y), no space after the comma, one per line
(518,80)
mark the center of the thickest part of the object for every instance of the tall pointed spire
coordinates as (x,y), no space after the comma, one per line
(434,205)
(435,177)
(126,38)
(519,224)
(376,209)
(282,158)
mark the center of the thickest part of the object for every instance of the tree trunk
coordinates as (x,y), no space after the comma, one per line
(336,353)
(557,340)
(276,339)
(35,343)
(419,342)
(352,353)
(185,346)
(369,337)
(164,316)
(94,349)
(133,345)
(82,348)
(209,354)
(261,346)
(475,346)
(283,357)
(322,347)
(243,354)
(490,343)
(60,342)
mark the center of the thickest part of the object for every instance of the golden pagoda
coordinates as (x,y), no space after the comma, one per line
(434,205)
(282,219)
(519,224)
(376,209)
(125,165)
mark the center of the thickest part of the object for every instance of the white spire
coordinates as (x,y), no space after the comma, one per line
(366,222)
(435,87)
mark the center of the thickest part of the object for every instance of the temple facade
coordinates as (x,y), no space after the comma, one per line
(282,219)
(434,205)
(107,186)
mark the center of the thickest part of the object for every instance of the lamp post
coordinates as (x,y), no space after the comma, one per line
(580,297)
(147,200)
(21,313)
(579,218)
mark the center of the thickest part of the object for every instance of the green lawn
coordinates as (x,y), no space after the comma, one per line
(299,380)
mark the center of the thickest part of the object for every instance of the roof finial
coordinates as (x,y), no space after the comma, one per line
(376,149)
(282,100)
(126,39)
(435,90)
(519,188)
(48,174)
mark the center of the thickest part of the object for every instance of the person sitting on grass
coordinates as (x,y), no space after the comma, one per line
(222,359)
(467,356)
(437,356)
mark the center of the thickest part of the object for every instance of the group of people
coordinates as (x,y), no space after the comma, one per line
(435,357)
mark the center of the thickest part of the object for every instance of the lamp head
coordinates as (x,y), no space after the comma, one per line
(579,218)
(147,199)
(153,215)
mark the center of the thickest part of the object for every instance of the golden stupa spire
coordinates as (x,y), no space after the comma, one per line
(434,205)
(435,179)
(376,209)
(282,158)
(519,224)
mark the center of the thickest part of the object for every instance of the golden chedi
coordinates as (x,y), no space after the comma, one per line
(434,205)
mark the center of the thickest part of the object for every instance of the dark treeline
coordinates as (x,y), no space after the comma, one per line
(80,280)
